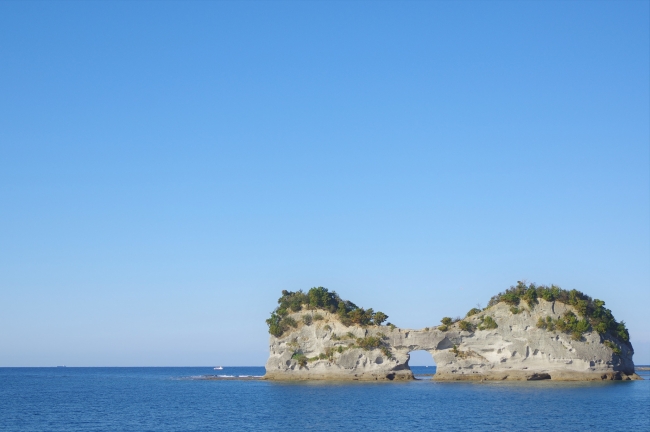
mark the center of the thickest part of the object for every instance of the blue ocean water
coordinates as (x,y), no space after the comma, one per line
(175,399)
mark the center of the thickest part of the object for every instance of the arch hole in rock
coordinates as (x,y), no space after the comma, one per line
(422,364)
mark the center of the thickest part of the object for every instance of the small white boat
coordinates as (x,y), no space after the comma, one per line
(218,368)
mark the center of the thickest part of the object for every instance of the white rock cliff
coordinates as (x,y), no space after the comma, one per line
(515,350)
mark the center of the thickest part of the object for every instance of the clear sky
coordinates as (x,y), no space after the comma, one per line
(166,169)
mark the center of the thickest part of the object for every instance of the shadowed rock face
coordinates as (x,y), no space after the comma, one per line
(516,350)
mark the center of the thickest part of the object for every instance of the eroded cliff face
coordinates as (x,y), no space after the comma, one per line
(516,350)
(337,343)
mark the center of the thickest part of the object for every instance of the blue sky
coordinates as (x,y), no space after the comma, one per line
(166,169)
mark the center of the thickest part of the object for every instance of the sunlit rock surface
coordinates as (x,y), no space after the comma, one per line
(516,350)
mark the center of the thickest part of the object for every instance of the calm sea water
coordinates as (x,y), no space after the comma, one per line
(172,399)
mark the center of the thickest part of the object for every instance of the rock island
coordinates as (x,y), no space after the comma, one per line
(528,332)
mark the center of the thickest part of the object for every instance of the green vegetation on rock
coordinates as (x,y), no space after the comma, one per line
(611,345)
(592,311)
(369,342)
(586,315)
(319,298)
(460,353)
(379,318)
(487,323)
(374,342)
(567,323)
(300,358)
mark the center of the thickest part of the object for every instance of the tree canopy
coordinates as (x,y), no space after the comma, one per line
(320,298)
(593,311)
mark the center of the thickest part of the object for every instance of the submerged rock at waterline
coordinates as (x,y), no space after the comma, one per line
(519,336)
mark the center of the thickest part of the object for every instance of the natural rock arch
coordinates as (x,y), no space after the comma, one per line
(514,346)
(421,358)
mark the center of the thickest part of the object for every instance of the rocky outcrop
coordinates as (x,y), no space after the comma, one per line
(332,351)
(496,344)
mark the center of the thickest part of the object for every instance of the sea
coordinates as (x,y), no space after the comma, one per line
(185,399)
